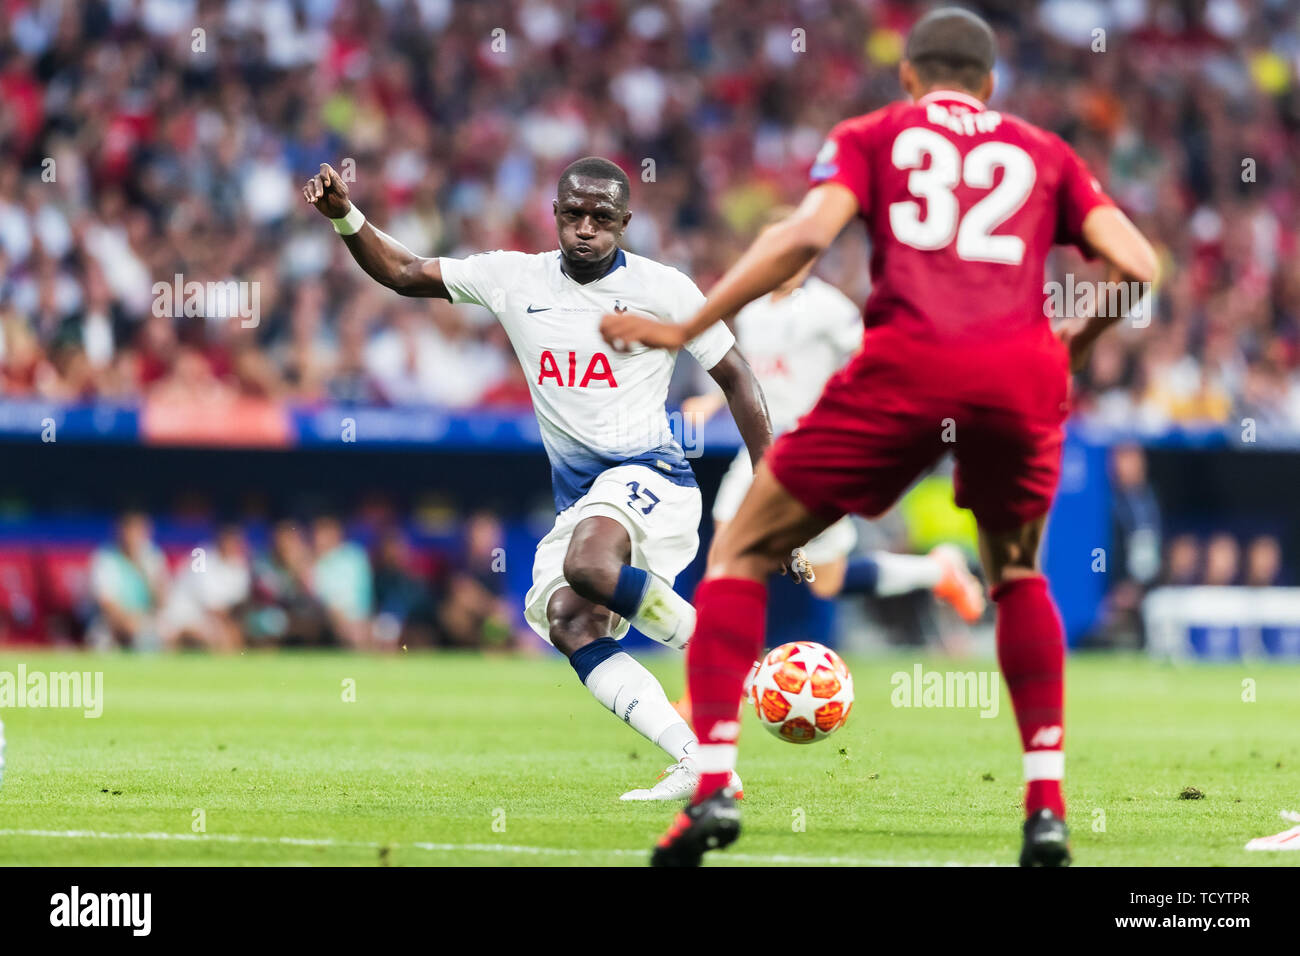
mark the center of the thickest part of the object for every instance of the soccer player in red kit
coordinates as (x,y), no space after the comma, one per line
(962,205)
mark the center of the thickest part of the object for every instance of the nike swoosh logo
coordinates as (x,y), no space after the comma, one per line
(543,309)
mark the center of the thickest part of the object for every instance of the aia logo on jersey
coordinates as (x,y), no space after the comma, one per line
(597,369)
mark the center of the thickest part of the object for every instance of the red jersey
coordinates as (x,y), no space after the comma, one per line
(962,204)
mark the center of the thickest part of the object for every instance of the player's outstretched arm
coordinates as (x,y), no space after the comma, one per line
(745,398)
(1129,258)
(777,254)
(1112,235)
(382,257)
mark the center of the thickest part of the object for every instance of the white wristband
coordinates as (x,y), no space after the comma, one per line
(350,224)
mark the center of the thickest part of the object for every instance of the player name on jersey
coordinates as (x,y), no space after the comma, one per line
(963,122)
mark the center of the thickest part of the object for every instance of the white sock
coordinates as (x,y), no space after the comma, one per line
(1044,765)
(716,758)
(900,573)
(636,696)
(664,615)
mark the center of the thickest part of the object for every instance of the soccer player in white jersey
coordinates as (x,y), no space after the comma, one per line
(795,338)
(628,507)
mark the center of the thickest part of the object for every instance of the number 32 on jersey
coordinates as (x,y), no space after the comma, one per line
(935,182)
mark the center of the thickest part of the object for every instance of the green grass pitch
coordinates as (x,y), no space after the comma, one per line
(466,760)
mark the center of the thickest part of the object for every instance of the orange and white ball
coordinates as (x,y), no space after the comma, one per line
(802,692)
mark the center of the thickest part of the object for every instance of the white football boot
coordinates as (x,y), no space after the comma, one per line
(678,782)
(1286,840)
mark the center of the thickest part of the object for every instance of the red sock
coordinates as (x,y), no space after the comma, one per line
(730,618)
(1031,653)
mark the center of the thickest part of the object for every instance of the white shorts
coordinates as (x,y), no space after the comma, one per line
(661,517)
(836,542)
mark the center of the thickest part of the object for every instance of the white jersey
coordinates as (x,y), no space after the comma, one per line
(795,344)
(596,408)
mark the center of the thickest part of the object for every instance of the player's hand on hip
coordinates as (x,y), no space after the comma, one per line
(328,192)
(623,331)
(1078,345)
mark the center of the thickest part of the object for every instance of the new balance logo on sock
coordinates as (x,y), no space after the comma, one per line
(1046,738)
(725,730)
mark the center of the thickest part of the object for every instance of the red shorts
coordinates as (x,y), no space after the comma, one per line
(900,405)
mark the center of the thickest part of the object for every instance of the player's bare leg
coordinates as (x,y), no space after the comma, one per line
(596,566)
(731,612)
(834,571)
(883,573)
(1031,655)
(768,526)
(581,624)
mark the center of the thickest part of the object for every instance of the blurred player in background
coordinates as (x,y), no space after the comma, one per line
(962,205)
(795,338)
(628,507)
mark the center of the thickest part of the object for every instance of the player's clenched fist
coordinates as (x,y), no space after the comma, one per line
(328,192)
(623,330)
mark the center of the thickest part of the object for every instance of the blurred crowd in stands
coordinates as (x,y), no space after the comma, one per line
(1148,554)
(308,583)
(145,139)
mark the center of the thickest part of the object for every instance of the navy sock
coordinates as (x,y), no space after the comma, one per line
(861,576)
(629,592)
(585,658)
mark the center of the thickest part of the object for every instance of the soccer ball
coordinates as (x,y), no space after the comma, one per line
(802,692)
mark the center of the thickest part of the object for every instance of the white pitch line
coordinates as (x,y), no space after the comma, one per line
(465,847)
